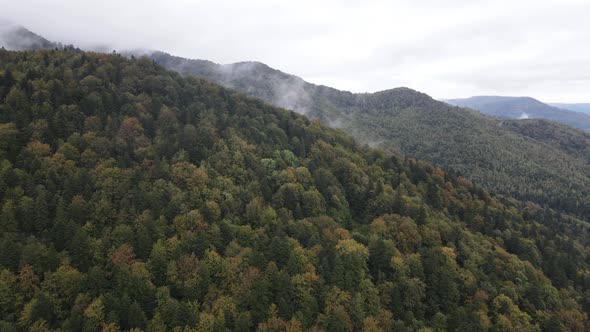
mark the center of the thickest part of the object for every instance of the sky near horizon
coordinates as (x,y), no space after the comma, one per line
(447,49)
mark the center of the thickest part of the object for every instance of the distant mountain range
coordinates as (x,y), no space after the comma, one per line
(523,108)
(583,107)
(535,160)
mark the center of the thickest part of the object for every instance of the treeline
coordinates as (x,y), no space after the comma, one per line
(135,199)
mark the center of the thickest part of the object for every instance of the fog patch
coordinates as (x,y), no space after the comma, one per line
(292,95)
(336,123)
(523,116)
(138,52)
(375,144)
(15,37)
(271,85)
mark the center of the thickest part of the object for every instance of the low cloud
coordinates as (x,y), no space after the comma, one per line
(523,116)
(447,49)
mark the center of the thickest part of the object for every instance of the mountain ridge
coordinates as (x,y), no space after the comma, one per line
(523,107)
(406,122)
(576,107)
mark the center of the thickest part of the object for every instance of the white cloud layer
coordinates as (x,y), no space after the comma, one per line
(451,48)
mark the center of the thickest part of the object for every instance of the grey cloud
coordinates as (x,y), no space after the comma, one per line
(444,48)
(523,75)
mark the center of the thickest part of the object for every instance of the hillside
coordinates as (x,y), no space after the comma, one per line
(132,197)
(523,108)
(501,158)
(253,78)
(405,122)
(554,134)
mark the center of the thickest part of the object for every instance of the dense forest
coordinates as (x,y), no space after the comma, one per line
(132,198)
(500,157)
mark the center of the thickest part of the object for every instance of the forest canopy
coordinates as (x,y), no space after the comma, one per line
(134,198)
(531,160)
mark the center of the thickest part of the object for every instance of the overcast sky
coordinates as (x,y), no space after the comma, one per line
(446,48)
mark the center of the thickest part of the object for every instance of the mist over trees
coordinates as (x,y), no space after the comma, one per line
(547,165)
(15,37)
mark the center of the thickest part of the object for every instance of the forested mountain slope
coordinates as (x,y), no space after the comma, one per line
(132,197)
(523,108)
(503,159)
(554,134)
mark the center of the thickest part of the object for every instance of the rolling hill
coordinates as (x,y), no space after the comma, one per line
(523,108)
(133,198)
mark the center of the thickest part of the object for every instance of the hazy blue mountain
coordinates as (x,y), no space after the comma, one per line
(523,108)
(582,107)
